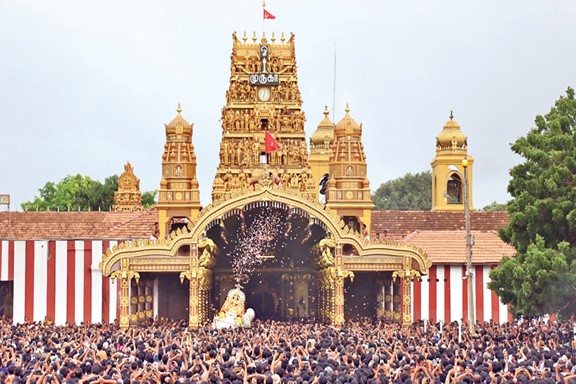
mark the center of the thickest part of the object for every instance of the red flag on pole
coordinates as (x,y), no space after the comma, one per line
(270,143)
(268,15)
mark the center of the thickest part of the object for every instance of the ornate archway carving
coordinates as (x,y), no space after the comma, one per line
(162,255)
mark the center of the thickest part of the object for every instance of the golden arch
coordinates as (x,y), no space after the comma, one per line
(124,260)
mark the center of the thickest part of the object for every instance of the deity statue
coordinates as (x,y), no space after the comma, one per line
(234,313)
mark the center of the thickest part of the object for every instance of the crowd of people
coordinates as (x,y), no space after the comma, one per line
(288,352)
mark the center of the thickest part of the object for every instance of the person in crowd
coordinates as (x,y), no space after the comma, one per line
(359,352)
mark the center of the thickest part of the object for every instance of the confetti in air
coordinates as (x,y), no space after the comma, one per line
(256,241)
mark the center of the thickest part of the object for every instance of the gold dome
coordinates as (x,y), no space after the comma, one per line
(348,125)
(179,125)
(451,136)
(324,134)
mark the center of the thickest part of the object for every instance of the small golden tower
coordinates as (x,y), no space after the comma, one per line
(128,198)
(447,170)
(321,147)
(179,196)
(263,96)
(349,188)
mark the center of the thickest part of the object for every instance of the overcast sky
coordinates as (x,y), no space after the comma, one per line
(87,85)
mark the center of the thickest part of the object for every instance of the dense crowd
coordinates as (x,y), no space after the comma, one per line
(288,352)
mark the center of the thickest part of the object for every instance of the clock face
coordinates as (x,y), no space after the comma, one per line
(264,94)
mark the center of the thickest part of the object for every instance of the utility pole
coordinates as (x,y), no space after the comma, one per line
(469,243)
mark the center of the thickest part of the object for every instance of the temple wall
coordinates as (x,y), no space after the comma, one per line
(61,279)
(442,295)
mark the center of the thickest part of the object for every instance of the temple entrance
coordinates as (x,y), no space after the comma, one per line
(266,248)
(372,295)
(264,295)
(173,297)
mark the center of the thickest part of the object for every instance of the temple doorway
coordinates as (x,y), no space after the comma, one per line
(173,297)
(265,297)
(266,249)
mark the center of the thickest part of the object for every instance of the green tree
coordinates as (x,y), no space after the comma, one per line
(149,199)
(409,192)
(541,278)
(494,207)
(80,193)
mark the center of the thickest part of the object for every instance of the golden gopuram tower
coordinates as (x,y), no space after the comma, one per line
(321,143)
(179,195)
(348,190)
(263,96)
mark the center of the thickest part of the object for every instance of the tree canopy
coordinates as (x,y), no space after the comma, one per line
(494,207)
(409,192)
(541,278)
(79,193)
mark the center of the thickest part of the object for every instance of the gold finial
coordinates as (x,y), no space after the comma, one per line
(244,38)
(282,37)
(451,115)
(326,111)
(347,108)
(254,37)
(273,37)
(178,109)
(263,3)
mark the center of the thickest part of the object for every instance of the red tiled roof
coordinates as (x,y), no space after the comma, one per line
(449,247)
(440,234)
(77,225)
(398,224)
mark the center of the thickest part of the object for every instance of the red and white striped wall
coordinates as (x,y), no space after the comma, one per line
(442,295)
(59,279)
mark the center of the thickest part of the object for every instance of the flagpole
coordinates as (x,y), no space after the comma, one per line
(334,88)
(263,18)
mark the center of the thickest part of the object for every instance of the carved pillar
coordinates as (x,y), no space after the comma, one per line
(124,301)
(124,275)
(406,275)
(194,312)
(406,301)
(338,318)
(328,280)
(204,285)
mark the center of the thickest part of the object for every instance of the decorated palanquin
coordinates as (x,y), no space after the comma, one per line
(233,313)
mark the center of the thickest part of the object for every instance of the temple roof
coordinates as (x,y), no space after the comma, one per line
(449,247)
(77,225)
(440,234)
(398,224)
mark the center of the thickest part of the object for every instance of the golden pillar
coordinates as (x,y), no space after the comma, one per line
(194,308)
(406,275)
(406,301)
(204,285)
(194,298)
(338,318)
(124,275)
(327,295)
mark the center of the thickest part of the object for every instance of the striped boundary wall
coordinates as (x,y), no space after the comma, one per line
(442,295)
(61,279)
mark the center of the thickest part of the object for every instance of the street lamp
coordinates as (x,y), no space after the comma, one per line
(469,243)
